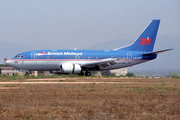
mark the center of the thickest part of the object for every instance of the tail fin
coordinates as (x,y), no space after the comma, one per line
(146,40)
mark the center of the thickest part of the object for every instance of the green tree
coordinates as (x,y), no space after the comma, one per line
(174,75)
(130,75)
(107,73)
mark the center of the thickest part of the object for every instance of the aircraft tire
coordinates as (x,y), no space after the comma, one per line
(50,71)
(88,73)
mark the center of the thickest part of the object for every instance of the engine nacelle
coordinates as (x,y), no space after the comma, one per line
(69,68)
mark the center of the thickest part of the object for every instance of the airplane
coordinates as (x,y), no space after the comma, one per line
(77,61)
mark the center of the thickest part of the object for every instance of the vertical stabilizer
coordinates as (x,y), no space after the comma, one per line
(146,40)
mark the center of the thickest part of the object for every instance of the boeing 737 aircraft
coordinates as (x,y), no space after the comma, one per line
(77,61)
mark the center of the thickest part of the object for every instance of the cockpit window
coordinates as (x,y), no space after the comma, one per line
(19,56)
(22,56)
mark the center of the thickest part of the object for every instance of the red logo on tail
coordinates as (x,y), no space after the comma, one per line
(144,41)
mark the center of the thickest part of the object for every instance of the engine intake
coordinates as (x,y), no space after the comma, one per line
(69,68)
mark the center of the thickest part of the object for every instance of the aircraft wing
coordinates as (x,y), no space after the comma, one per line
(102,63)
(157,52)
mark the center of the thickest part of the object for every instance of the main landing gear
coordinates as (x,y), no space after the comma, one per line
(87,73)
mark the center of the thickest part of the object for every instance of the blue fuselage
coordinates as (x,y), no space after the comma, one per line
(52,59)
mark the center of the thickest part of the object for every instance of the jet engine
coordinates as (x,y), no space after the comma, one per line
(68,68)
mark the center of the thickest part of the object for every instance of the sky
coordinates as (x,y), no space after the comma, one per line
(68,24)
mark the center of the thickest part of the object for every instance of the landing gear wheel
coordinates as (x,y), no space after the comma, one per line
(50,71)
(88,73)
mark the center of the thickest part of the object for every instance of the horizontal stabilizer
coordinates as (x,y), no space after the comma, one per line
(157,52)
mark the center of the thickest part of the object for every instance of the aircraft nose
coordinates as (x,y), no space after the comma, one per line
(9,62)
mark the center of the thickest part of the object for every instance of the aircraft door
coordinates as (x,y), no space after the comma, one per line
(129,56)
(33,55)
